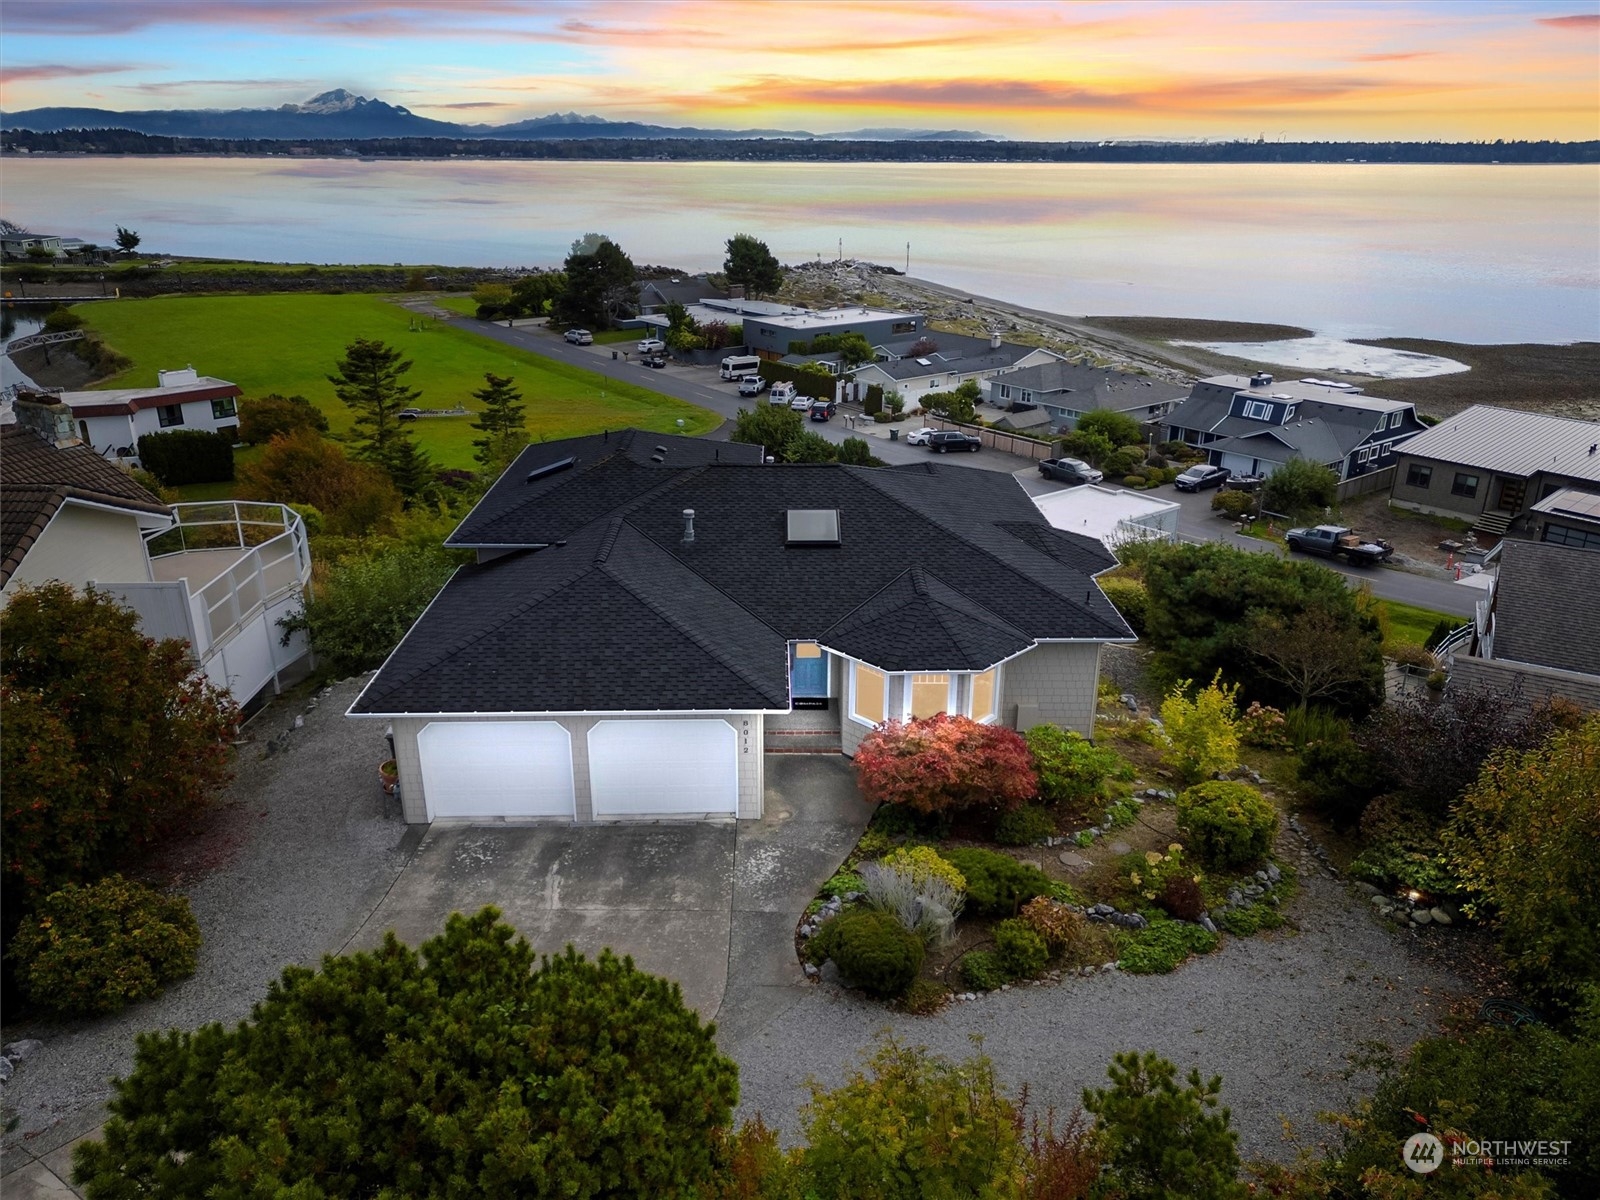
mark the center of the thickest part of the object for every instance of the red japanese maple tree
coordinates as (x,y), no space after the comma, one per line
(945,764)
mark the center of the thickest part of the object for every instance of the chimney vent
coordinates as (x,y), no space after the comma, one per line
(688,526)
(994,339)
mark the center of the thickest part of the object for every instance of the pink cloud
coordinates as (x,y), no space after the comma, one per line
(62,71)
(1575,21)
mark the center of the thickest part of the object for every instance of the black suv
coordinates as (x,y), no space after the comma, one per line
(946,440)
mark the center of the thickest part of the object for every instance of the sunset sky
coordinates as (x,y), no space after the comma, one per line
(1472,69)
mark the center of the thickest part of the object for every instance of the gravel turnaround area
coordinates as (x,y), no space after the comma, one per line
(1278,1016)
(304,848)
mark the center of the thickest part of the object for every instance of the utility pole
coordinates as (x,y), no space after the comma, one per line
(908,258)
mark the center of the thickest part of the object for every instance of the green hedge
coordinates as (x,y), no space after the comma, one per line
(187,456)
(807,383)
(873,402)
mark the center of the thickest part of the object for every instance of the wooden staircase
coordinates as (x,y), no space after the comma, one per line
(1493,523)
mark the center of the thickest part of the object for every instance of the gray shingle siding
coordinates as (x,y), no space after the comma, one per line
(1055,683)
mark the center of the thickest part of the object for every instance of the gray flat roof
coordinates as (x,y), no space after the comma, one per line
(1571,502)
(1512,442)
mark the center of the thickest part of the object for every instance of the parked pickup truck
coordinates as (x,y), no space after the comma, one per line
(1339,541)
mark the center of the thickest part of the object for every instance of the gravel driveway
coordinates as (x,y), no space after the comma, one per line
(1276,1016)
(311,845)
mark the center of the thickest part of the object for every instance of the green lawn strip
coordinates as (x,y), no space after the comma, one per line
(1410,625)
(615,337)
(290,343)
(465,305)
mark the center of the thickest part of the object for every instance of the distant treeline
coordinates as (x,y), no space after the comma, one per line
(124,141)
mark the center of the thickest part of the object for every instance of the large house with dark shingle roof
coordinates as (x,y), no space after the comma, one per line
(645,610)
(1252,424)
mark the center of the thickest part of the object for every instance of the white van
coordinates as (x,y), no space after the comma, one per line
(737,366)
(782,392)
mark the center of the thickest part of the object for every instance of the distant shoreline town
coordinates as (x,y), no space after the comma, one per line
(107,141)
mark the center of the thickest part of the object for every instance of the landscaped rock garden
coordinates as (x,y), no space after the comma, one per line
(1099,857)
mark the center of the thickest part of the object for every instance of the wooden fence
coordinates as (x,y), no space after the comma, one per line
(1380,480)
(997,439)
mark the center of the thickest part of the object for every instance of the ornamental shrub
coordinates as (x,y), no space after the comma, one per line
(1249,919)
(912,1125)
(945,764)
(1129,598)
(923,863)
(1025,826)
(1181,899)
(1149,875)
(1233,504)
(928,908)
(94,949)
(982,972)
(997,884)
(1022,952)
(1052,920)
(1162,945)
(1071,768)
(873,950)
(924,996)
(1162,1140)
(469,1066)
(1201,734)
(1228,824)
(1263,726)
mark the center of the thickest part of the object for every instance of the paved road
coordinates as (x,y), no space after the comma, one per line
(699,385)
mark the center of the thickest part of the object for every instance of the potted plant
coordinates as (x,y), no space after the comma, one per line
(389,776)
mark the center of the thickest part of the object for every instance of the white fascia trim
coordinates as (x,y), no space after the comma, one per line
(140,515)
(1082,641)
(574,712)
(940,670)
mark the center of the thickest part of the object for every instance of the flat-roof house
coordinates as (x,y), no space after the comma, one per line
(935,361)
(1491,465)
(644,608)
(113,421)
(771,328)
(1252,424)
(1538,628)
(1066,391)
(67,514)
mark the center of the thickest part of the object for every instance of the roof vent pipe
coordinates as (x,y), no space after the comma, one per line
(688,526)
(994,339)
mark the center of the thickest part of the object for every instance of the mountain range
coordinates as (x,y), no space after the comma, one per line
(342,114)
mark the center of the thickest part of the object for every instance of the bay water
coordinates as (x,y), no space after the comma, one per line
(1461,253)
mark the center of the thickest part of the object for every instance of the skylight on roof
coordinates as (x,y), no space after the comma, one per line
(813,527)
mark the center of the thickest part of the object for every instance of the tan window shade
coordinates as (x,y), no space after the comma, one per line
(870,694)
(930,695)
(983,696)
(807,650)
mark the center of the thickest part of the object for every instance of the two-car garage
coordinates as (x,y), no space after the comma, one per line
(582,768)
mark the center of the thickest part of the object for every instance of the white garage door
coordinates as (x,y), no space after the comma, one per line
(496,769)
(641,768)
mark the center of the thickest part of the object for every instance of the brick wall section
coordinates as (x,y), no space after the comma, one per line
(1053,683)
(747,726)
(1538,683)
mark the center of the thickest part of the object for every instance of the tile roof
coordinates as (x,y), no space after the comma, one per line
(618,613)
(1512,442)
(36,478)
(1540,581)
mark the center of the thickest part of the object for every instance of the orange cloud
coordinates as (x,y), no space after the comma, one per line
(1575,21)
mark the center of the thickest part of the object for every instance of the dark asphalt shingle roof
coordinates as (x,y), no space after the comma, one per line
(36,478)
(1546,610)
(937,568)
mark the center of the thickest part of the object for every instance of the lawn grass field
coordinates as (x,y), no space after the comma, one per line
(291,343)
(1408,624)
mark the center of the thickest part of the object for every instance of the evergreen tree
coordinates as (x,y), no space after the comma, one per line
(127,240)
(599,284)
(468,1068)
(369,382)
(503,423)
(752,265)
